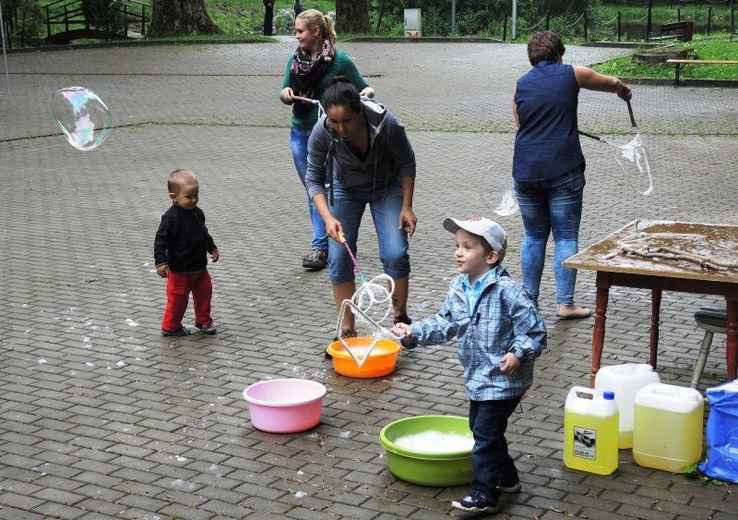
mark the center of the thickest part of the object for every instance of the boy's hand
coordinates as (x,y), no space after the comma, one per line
(162,270)
(509,364)
(216,255)
(402,330)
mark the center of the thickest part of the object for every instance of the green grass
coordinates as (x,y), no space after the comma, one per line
(717,47)
(714,46)
(242,17)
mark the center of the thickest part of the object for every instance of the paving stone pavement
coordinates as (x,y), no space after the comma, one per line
(102,418)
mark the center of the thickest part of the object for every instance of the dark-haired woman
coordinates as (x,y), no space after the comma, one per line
(548,164)
(315,61)
(362,151)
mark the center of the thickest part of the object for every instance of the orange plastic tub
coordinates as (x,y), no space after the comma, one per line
(381,360)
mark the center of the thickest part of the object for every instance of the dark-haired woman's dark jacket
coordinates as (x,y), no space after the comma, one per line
(390,156)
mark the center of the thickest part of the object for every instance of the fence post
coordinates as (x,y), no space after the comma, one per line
(504,28)
(679,14)
(709,20)
(585,26)
(453,18)
(143,20)
(48,23)
(619,26)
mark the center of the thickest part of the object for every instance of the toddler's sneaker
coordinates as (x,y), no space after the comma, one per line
(208,328)
(477,502)
(181,332)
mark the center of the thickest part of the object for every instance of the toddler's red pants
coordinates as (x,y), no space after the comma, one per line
(179,286)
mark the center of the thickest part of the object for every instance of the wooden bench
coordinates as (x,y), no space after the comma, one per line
(680,64)
(681,31)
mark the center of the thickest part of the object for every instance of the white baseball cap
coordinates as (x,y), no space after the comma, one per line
(489,230)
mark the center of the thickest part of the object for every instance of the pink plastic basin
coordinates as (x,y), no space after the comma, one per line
(285,405)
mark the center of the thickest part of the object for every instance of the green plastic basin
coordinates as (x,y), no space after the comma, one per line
(427,468)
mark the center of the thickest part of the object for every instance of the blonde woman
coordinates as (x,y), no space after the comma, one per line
(315,61)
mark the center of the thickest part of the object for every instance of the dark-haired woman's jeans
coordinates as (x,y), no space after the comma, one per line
(550,206)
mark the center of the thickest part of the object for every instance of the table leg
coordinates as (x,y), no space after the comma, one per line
(731,346)
(655,319)
(598,334)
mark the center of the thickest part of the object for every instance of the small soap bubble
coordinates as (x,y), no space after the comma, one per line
(508,205)
(83,117)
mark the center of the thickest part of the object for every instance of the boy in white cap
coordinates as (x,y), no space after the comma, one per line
(499,334)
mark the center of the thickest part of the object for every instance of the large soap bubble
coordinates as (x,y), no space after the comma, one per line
(82,116)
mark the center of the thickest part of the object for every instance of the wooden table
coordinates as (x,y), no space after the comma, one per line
(616,268)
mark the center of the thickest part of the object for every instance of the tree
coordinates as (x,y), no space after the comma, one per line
(352,16)
(181,17)
(23,20)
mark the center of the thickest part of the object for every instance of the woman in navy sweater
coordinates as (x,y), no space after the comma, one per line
(548,164)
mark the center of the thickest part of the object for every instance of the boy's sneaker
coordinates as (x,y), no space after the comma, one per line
(477,502)
(181,332)
(208,328)
(315,259)
(509,487)
(409,342)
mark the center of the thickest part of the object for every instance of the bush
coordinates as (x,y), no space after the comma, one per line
(24,21)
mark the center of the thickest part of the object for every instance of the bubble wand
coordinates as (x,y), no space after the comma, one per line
(306,100)
(5,57)
(353,258)
(630,113)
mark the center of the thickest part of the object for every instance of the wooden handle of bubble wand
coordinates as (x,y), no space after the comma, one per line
(305,100)
(630,112)
(353,258)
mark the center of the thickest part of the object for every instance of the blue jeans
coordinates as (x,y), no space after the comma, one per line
(491,462)
(298,144)
(348,208)
(550,206)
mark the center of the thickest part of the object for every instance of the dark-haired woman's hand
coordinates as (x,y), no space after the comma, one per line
(334,228)
(408,220)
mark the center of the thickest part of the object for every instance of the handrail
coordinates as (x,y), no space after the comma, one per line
(70,13)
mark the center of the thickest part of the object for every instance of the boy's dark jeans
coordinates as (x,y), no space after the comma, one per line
(491,462)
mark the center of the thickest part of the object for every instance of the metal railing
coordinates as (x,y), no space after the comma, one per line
(70,16)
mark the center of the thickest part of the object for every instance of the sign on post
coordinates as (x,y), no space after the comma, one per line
(412,23)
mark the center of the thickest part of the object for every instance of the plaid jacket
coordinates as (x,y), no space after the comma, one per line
(503,320)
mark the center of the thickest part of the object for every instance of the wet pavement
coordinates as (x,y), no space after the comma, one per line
(101,417)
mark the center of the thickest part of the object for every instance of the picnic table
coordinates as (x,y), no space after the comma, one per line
(616,267)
